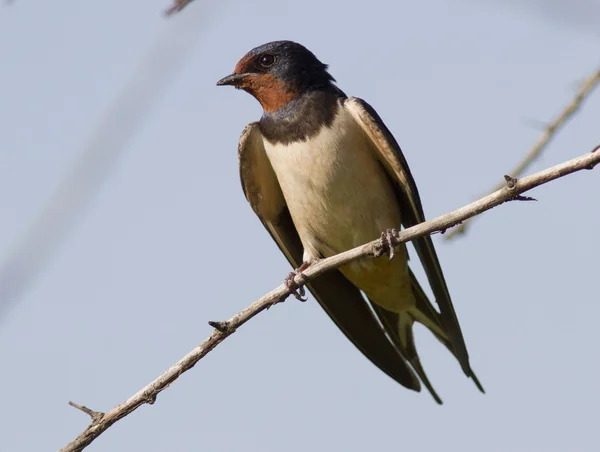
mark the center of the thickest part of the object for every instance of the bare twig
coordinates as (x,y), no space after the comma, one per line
(548,134)
(95,415)
(511,191)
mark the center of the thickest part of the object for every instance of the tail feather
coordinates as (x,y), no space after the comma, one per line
(399,329)
(426,314)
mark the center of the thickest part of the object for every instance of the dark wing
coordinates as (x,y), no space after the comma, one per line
(338,297)
(390,155)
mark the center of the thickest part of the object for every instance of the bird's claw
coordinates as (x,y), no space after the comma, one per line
(388,242)
(297,290)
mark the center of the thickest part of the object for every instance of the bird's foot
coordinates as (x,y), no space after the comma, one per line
(388,242)
(297,290)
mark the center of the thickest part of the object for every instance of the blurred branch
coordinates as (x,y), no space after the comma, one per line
(177,6)
(510,191)
(98,157)
(549,132)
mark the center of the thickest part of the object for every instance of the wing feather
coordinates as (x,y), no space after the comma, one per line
(341,300)
(391,157)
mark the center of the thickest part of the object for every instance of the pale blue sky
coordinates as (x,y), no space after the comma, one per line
(169,241)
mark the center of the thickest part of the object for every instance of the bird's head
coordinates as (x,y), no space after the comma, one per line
(277,72)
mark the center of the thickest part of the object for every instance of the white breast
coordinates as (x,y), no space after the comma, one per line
(338,194)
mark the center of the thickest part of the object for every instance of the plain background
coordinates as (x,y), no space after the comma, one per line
(168,242)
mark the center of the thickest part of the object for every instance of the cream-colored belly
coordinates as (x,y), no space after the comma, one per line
(339,197)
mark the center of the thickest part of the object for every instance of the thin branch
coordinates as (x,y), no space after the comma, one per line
(511,191)
(548,134)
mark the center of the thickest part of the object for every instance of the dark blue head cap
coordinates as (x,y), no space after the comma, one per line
(278,72)
(290,62)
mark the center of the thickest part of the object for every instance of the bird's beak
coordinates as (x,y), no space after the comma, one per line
(233,79)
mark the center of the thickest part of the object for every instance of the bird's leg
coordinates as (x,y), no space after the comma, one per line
(388,242)
(297,290)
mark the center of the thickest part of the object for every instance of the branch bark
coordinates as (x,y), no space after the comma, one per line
(542,143)
(512,190)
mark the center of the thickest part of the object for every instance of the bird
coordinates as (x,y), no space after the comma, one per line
(324,174)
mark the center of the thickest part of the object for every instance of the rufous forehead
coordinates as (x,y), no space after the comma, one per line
(241,66)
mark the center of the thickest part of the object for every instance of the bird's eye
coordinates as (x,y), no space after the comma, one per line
(266,60)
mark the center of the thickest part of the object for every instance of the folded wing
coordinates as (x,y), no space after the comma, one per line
(341,300)
(390,155)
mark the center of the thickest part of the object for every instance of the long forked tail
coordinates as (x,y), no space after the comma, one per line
(399,327)
(426,314)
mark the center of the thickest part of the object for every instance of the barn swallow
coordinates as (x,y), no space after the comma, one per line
(324,174)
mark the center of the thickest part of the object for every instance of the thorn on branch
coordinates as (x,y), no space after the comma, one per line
(278,301)
(95,415)
(443,231)
(522,198)
(511,182)
(224,327)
